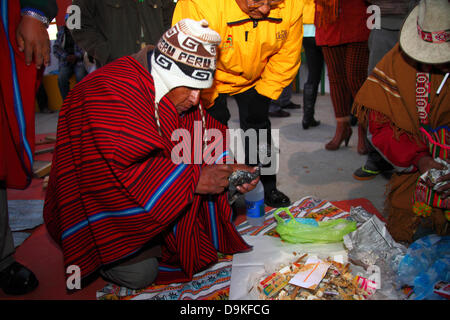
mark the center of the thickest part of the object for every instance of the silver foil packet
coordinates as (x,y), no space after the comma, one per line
(372,244)
(434,174)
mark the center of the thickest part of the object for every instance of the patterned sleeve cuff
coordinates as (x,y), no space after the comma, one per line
(37,14)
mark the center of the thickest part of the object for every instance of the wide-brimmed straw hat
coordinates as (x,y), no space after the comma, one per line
(425,35)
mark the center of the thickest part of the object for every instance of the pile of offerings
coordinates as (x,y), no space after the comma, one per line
(314,279)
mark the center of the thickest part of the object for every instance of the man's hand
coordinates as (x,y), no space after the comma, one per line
(213,179)
(246,187)
(444,191)
(426,163)
(32,39)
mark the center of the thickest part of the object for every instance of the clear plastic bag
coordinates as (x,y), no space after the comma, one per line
(426,262)
(299,231)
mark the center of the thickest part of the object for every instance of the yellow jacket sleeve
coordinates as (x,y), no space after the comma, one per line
(309,11)
(283,66)
(187,9)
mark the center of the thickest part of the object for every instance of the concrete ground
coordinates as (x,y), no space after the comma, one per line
(306,167)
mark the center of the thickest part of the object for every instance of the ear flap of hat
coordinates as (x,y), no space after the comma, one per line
(185,56)
(168,75)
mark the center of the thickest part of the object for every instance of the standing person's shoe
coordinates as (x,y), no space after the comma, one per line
(364,173)
(17,279)
(276,199)
(343,134)
(309,101)
(292,105)
(374,166)
(279,114)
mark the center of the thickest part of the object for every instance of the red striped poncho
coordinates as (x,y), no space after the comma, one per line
(18,87)
(113,186)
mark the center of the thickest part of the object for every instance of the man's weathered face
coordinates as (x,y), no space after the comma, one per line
(257,9)
(184,98)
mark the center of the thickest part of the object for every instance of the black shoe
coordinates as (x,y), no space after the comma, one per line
(292,105)
(309,123)
(17,279)
(276,199)
(279,114)
(309,101)
(364,173)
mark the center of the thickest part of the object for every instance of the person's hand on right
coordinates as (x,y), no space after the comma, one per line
(32,39)
(213,179)
(426,163)
(444,191)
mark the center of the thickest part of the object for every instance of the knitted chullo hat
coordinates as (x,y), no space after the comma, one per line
(185,56)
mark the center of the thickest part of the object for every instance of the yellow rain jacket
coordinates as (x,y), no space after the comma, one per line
(264,53)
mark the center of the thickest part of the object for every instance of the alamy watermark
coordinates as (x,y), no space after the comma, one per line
(251,146)
(374,21)
(73,17)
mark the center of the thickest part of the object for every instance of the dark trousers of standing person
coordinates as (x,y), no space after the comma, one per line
(6,239)
(347,71)
(65,73)
(14,277)
(253,114)
(314,61)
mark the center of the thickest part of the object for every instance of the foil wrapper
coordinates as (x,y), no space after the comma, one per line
(371,244)
(360,215)
(372,247)
(238,178)
(433,175)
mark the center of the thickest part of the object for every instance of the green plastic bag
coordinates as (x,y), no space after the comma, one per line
(326,232)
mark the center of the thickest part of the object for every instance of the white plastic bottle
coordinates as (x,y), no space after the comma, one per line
(254,202)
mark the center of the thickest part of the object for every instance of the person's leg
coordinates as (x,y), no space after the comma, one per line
(275,107)
(42,99)
(286,97)
(253,114)
(356,63)
(314,60)
(6,239)
(80,71)
(135,272)
(341,96)
(219,110)
(64,74)
(15,279)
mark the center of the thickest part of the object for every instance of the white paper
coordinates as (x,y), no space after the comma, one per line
(311,274)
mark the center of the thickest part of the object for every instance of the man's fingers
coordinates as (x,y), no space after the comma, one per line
(20,42)
(38,56)
(46,53)
(28,52)
(444,178)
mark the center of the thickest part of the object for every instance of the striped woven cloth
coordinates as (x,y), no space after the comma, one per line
(214,282)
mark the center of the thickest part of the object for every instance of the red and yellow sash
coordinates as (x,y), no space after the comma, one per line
(438,140)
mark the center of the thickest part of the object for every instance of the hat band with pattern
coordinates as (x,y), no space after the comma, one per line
(435,36)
